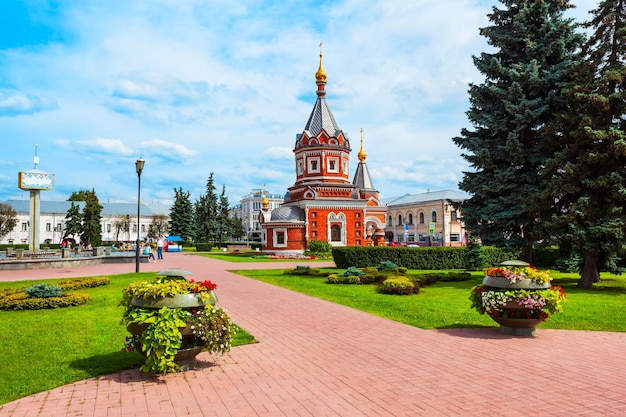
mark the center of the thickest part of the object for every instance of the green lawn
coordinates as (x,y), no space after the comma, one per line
(44,349)
(251,256)
(446,304)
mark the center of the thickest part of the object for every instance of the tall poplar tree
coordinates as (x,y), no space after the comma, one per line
(588,172)
(512,112)
(182,222)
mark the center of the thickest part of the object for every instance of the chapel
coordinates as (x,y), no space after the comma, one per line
(323,204)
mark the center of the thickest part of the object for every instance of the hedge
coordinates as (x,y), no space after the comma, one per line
(412,258)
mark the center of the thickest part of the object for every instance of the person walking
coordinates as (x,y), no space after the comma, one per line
(147,250)
(160,248)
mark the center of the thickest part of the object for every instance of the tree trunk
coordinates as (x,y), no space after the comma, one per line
(589,272)
(527,254)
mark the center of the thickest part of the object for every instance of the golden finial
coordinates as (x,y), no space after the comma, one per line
(320,75)
(362,155)
(265,201)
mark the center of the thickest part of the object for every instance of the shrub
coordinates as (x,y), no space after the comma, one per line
(386,265)
(204,246)
(44,291)
(340,279)
(304,270)
(317,246)
(399,285)
(454,276)
(352,271)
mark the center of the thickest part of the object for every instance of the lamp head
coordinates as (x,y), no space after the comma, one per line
(139,166)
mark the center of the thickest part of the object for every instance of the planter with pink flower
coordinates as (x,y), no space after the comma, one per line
(518,297)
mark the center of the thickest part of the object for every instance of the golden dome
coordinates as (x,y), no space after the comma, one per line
(265,202)
(320,75)
(362,155)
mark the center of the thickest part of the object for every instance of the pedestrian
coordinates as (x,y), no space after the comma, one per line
(160,248)
(147,250)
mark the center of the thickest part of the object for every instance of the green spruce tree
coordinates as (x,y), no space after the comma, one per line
(182,216)
(92,219)
(588,172)
(73,222)
(512,112)
(206,214)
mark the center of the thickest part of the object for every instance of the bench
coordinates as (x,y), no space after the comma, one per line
(237,248)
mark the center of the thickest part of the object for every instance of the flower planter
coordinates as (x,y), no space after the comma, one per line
(515,296)
(186,358)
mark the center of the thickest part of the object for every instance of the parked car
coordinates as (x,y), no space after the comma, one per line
(397,244)
(413,245)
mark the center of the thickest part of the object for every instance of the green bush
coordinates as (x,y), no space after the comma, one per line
(204,246)
(21,301)
(44,291)
(318,246)
(304,270)
(399,285)
(340,279)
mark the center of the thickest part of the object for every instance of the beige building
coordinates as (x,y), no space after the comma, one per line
(426,219)
(248,211)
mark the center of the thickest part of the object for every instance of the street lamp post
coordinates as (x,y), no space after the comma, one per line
(139,167)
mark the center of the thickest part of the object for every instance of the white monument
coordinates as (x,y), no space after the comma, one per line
(34,181)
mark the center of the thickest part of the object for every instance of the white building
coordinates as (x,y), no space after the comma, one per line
(248,211)
(427,219)
(52,221)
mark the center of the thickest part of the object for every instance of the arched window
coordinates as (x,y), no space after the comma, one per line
(389,220)
(410,218)
(433,216)
(421,218)
(335,233)
(399,219)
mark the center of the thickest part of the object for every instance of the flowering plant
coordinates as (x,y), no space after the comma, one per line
(167,287)
(517,274)
(159,333)
(501,302)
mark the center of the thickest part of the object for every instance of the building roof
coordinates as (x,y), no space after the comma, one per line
(321,118)
(109,209)
(450,195)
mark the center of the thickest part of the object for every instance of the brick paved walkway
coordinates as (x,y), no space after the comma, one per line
(316,359)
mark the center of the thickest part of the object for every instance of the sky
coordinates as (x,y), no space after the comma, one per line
(196,87)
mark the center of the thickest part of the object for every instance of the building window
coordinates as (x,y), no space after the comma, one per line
(333,165)
(313,214)
(314,224)
(400,219)
(453,216)
(358,224)
(280,238)
(410,218)
(143,228)
(299,166)
(335,233)
(134,228)
(48,227)
(314,165)
(109,228)
(455,237)
(433,216)
(24,227)
(389,221)
(421,218)
(58,227)
(357,215)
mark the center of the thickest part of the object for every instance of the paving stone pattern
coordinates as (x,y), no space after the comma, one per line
(315,358)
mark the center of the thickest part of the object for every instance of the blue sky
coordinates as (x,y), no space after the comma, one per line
(224,86)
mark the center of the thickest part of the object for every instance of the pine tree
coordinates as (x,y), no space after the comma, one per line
(588,172)
(206,214)
(73,222)
(92,230)
(182,216)
(223,216)
(512,112)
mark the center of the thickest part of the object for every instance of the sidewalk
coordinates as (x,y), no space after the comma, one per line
(316,358)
